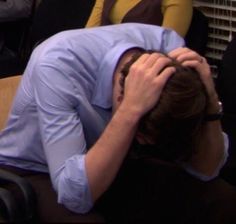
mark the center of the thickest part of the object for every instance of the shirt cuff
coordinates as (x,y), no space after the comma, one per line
(73,188)
(203,177)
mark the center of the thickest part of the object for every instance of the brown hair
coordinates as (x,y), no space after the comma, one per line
(175,122)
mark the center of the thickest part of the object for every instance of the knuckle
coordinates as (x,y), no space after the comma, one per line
(134,68)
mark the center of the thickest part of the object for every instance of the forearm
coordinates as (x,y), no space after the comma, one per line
(141,92)
(104,159)
(177,15)
(211,148)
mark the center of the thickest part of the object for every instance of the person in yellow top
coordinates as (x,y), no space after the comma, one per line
(175,14)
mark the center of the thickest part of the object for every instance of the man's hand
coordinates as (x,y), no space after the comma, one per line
(192,59)
(210,154)
(145,81)
(143,87)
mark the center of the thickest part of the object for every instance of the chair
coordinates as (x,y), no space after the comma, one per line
(50,17)
(11,60)
(226,83)
(10,208)
(18,200)
(53,16)
(16,31)
(23,193)
(197,35)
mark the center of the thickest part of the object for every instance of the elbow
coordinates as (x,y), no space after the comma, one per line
(71,185)
(201,175)
(207,176)
(78,206)
(74,196)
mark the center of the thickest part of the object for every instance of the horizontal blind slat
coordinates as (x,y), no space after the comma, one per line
(221,15)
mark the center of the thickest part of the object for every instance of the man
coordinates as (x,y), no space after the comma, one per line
(68,118)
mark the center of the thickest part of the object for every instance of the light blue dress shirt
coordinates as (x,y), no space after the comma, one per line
(64,103)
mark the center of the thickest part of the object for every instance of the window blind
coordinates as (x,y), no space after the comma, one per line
(221,15)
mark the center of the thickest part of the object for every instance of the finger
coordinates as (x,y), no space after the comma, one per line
(193,63)
(190,56)
(147,58)
(164,76)
(183,54)
(141,59)
(160,64)
(199,61)
(152,59)
(147,62)
(178,51)
(203,60)
(200,67)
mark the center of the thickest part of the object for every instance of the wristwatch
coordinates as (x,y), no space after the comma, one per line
(216,116)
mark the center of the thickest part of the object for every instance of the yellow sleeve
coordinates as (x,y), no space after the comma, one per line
(96,14)
(177,15)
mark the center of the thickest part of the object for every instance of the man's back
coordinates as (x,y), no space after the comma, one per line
(76,65)
(64,101)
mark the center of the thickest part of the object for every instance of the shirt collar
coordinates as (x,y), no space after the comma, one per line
(102,96)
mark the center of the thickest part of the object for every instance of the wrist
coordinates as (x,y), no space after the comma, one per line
(215,113)
(129,114)
(214,105)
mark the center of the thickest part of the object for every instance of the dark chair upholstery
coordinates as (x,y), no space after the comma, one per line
(154,191)
(50,17)
(28,197)
(15,33)
(197,35)
(145,191)
(14,208)
(53,16)
(226,87)
(11,57)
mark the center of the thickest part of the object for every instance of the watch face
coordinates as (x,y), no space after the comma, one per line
(220,107)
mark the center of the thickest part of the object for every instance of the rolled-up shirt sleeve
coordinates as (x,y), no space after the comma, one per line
(72,183)
(63,137)
(203,177)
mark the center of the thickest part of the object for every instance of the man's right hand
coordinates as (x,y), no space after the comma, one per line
(190,58)
(145,81)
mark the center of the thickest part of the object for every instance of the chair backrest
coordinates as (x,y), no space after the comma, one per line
(226,88)
(226,80)
(197,35)
(52,16)
(14,52)
(8,87)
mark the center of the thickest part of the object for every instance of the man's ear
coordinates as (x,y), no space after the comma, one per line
(143,139)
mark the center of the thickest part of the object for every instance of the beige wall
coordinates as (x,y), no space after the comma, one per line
(8,87)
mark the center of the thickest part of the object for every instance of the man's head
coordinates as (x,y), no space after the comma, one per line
(173,125)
